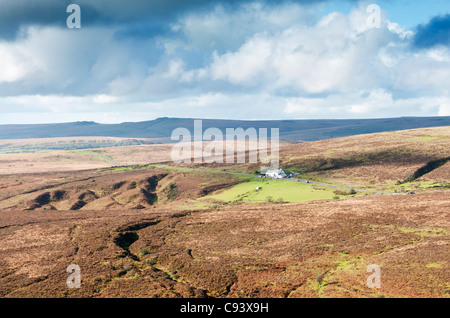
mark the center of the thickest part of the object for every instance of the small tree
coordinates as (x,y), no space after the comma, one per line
(319,278)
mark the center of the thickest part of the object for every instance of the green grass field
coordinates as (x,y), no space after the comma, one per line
(273,190)
(427,138)
(24,150)
(89,153)
(418,185)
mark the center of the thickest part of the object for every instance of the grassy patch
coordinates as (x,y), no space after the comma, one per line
(425,138)
(295,170)
(264,190)
(96,155)
(24,150)
(318,287)
(426,232)
(125,168)
(350,264)
(173,192)
(417,186)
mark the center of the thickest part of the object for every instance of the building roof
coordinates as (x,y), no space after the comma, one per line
(275,171)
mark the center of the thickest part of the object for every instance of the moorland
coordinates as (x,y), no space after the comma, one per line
(139,225)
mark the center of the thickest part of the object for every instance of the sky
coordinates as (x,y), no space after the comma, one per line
(229,59)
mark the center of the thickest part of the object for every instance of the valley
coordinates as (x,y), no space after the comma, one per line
(141,226)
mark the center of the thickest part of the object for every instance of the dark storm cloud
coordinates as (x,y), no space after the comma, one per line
(436,32)
(14,14)
(19,13)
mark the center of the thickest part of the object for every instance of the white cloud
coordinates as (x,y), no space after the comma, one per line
(16,63)
(106,109)
(245,66)
(229,29)
(398,29)
(444,107)
(339,54)
(105,99)
(254,61)
(332,55)
(374,104)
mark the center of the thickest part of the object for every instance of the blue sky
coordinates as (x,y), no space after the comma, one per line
(234,59)
(408,13)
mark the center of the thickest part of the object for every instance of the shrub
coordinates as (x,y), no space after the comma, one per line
(173,191)
(319,278)
(342,192)
(144,252)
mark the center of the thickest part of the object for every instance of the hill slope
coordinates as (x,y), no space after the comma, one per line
(386,161)
(302,130)
(382,158)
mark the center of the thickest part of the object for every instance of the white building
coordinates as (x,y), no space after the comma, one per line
(276,174)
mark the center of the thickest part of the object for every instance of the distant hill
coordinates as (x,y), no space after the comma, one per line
(296,130)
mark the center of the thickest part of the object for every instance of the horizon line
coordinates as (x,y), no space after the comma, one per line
(223,119)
